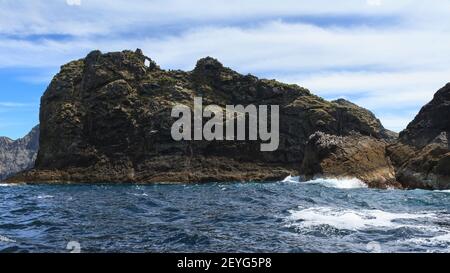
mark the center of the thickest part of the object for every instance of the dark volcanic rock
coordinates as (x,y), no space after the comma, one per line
(107,118)
(422,154)
(351,110)
(18,155)
(432,123)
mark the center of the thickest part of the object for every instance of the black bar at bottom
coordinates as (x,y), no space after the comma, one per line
(218,262)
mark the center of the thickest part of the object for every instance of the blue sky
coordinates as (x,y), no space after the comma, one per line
(389,56)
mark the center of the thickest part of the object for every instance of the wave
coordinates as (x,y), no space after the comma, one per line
(446,191)
(440,240)
(5,239)
(291,179)
(349,183)
(348,219)
(138,194)
(44,196)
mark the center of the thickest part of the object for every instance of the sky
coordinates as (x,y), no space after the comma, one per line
(389,56)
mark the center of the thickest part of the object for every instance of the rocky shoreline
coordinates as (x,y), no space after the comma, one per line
(107,118)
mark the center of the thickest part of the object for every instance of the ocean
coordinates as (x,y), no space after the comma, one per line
(323,215)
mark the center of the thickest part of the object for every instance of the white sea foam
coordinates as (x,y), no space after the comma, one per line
(44,196)
(440,240)
(446,191)
(6,185)
(292,179)
(349,183)
(139,194)
(5,239)
(350,219)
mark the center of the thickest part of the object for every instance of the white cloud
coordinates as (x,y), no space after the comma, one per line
(374,2)
(73,2)
(95,16)
(13,104)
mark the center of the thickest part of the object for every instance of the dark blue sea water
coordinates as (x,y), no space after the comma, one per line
(322,216)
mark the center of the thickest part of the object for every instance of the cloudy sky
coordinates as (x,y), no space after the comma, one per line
(389,56)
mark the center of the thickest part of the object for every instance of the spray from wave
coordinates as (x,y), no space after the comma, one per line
(45,196)
(350,183)
(5,239)
(446,191)
(291,179)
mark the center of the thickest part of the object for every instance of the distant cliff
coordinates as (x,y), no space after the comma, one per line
(18,155)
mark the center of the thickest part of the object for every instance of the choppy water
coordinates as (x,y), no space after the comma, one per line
(287,216)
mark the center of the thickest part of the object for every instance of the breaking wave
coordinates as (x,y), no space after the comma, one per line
(349,183)
(446,191)
(353,219)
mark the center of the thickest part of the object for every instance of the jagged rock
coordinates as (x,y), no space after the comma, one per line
(18,155)
(107,118)
(422,153)
(432,120)
(367,116)
(349,156)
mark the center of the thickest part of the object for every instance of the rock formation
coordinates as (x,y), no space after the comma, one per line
(18,155)
(422,153)
(349,156)
(418,158)
(107,118)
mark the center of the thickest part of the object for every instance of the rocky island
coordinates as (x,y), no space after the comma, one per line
(107,118)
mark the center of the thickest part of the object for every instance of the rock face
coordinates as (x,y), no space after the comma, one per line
(18,155)
(349,156)
(422,153)
(107,118)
